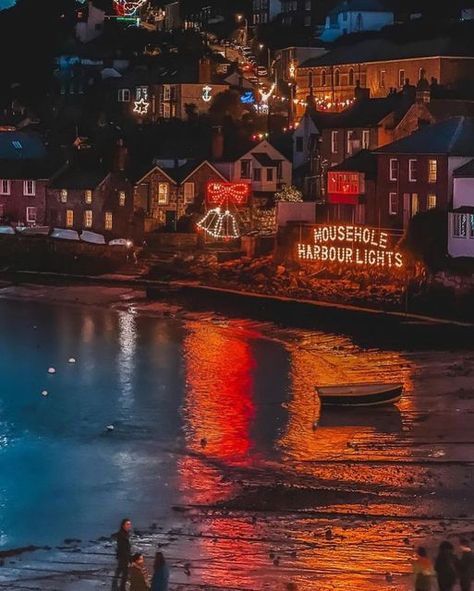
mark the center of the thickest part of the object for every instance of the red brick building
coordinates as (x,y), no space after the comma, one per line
(414,174)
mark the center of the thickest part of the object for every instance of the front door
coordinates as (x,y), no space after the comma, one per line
(171,220)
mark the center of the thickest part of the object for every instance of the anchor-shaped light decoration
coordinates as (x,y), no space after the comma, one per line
(206,93)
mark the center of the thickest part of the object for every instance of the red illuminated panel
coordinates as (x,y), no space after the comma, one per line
(344,183)
(227,193)
(339,199)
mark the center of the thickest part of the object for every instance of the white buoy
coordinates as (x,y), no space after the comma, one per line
(71,360)
(51,370)
(110,427)
(44,393)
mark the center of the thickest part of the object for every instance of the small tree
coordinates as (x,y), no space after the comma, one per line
(289,193)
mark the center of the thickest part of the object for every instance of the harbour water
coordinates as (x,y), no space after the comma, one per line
(216,429)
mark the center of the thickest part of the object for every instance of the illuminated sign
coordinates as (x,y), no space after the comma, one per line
(224,193)
(248,98)
(350,245)
(206,93)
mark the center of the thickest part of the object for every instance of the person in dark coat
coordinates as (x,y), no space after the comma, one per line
(138,574)
(161,574)
(466,565)
(446,567)
(123,554)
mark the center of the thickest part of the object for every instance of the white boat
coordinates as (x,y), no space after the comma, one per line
(64,234)
(33,230)
(362,394)
(92,237)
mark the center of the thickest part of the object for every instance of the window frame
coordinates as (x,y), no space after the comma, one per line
(122,94)
(108,220)
(186,198)
(8,190)
(88,197)
(28,218)
(349,138)
(401,78)
(163,200)
(69,212)
(122,198)
(63,195)
(432,171)
(393,197)
(413,170)
(457,217)
(26,187)
(365,136)
(334,141)
(88,218)
(429,197)
(270,175)
(393,172)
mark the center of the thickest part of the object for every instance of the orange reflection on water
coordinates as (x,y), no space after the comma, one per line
(219,407)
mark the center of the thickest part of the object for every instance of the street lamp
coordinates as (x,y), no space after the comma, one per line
(261,47)
(242,19)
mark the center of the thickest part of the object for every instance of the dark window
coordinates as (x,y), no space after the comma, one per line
(299,144)
(270,174)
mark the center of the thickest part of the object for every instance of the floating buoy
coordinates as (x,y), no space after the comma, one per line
(44,393)
(110,427)
(71,360)
(51,370)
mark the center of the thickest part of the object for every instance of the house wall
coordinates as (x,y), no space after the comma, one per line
(200,177)
(405,189)
(145,200)
(305,130)
(105,198)
(463,195)
(13,207)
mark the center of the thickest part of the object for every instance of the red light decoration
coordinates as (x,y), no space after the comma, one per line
(220,194)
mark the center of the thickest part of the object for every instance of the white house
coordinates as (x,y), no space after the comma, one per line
(354,16)
(461,216)
(90,23)
(263,166)
(304,137)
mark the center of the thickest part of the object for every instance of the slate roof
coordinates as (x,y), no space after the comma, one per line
(264,159)
(363,113)
(453,136)
(465,171)
(363,161)
(80,177)
(20,145)
(379,50)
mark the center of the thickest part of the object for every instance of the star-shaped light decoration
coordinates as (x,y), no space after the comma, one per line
(141,107)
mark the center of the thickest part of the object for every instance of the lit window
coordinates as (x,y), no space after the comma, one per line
(431,201)
(415,207)
(5,187)
(401,78)
(88,218)
(108,220)
(69,218)
(88,196)
(334,142)
(412,170)
(122,198)
(365,139)
(382,78)
(393,169)
(163,193)
(29,188)
(393,203)
(350,133)
(189,192)
(432,171)
(31,215)
(63,195)
(460,225)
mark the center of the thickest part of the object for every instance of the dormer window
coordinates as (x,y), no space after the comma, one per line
(63,195)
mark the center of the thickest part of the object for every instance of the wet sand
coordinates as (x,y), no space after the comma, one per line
(338,507)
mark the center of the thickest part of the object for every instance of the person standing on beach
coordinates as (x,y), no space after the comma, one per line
(138,574)
(124,555)
(446,567)
(466,565)
(423,570)
(161,574)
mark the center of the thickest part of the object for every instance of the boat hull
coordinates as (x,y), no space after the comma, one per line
(357,396)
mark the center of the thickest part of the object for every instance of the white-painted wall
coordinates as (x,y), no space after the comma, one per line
(463,196)
(348,22)
(305,129)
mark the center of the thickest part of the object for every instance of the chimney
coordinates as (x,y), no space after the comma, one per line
(120,156)
(205,74)
(360,93)
(423,90)
(217,145)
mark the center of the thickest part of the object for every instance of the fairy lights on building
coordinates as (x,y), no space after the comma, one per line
(128,7)
(220,222)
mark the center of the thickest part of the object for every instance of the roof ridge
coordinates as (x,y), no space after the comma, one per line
(456,134)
